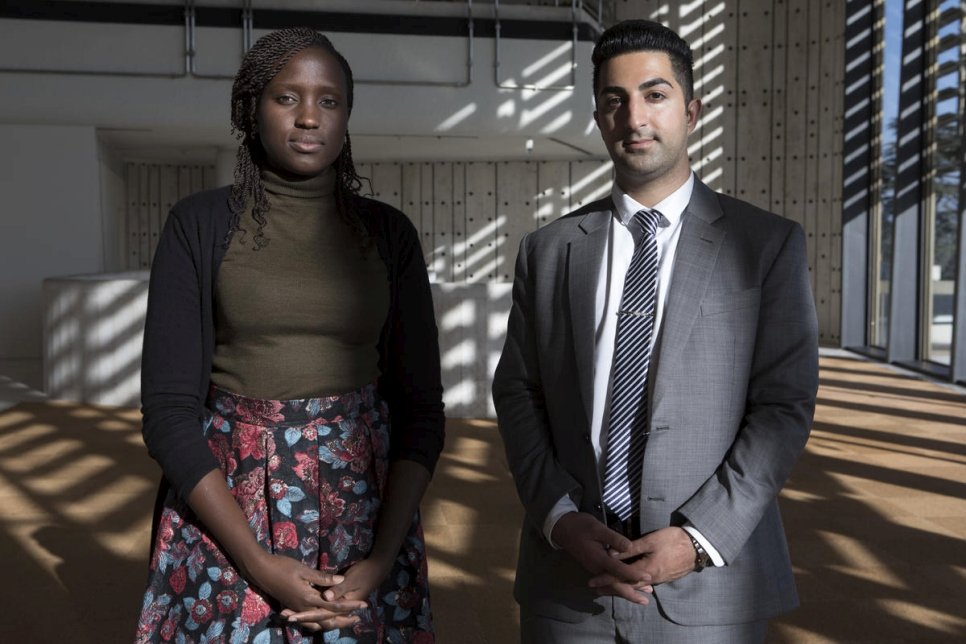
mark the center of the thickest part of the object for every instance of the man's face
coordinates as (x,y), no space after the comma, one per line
(644,120)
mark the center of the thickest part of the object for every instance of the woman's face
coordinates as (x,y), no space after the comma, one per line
(303,114)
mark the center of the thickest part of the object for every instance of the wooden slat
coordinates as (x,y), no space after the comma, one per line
(516,211)
(480,221)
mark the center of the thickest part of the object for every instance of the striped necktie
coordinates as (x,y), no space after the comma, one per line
(632,356)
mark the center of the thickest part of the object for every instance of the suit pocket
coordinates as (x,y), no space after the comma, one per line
(733,301)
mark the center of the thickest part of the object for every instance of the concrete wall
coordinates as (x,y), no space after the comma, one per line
(771,74)
(51,214)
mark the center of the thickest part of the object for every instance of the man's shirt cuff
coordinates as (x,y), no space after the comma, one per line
(716,557)
(562,507)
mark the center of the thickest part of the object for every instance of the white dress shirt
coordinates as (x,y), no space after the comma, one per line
(610,287)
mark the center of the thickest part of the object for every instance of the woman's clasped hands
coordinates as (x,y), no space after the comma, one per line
(308,595)
(334,599)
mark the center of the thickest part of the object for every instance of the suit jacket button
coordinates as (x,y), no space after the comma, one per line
(586,438)
(598,507)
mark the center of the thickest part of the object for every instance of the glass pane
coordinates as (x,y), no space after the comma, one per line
(943,212)
(881,269)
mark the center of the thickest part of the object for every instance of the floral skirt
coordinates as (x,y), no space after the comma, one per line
(309,475)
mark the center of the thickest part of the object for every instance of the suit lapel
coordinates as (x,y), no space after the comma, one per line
(694,263)
(585,255)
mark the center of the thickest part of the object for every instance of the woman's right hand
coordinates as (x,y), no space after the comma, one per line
(299,588)
(295,585)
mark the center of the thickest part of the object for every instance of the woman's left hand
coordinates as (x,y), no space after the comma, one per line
(359,581)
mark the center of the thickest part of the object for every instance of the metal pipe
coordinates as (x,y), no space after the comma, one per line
(248,22)
(247,26)
(188,28)
(573,55)
(424,83)
(193,51)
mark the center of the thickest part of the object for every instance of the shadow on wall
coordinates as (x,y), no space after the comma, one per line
(93,330)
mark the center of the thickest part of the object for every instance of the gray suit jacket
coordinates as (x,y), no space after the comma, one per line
(733,393)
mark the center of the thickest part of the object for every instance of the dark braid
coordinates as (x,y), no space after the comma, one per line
(260,65)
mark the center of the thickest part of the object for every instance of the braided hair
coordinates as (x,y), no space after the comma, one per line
(261,64)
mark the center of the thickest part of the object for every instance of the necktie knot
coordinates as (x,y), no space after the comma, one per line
(648,220)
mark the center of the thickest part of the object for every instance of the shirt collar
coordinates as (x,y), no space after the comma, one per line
(672,206)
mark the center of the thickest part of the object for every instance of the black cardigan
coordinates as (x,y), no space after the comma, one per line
(179,338)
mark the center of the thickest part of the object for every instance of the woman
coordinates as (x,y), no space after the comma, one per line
(288,321)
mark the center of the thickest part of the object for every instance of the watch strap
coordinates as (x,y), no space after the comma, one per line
(702,559)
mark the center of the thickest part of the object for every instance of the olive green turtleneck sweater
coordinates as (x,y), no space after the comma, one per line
(300,317)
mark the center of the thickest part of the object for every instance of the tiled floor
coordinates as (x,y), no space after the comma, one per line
(875,512)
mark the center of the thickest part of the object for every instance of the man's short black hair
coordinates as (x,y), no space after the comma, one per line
(646,35)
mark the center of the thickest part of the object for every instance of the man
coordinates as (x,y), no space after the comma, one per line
(657,384)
